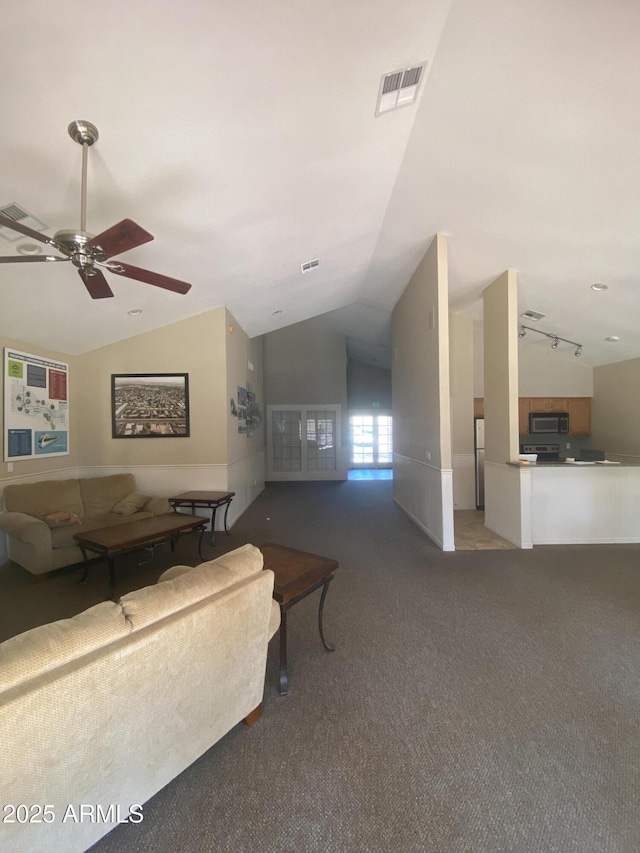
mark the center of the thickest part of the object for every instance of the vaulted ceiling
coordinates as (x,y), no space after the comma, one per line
(243,137)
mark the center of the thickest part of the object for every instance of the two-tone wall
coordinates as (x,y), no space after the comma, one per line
(422,472)
(219,358)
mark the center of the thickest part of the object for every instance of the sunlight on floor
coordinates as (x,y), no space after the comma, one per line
(370,474)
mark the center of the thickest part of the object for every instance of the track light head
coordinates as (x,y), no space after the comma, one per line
(555,343)
(522,332)
(578,351)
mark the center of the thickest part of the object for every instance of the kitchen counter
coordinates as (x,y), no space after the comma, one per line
(572,503)
(562,464)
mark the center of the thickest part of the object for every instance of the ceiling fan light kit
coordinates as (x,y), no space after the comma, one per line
(89,253)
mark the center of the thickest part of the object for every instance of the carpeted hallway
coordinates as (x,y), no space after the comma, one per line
(478,701)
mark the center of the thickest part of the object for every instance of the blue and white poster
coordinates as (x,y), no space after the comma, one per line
(36,406)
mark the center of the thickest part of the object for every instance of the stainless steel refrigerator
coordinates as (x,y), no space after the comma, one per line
(479,451)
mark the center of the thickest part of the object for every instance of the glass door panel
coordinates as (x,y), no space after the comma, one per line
(286,431)
(371,440)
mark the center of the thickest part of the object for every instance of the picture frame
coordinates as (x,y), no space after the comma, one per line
(150,405)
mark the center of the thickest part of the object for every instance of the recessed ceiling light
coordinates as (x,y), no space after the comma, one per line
(29,249)
(277,311)
(599,287)
(613,339)
(135,312)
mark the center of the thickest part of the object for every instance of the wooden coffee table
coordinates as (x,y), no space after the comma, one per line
(209,500)
(297,575)
(111,542)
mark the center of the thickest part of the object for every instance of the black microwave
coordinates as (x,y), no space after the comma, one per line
(548,422)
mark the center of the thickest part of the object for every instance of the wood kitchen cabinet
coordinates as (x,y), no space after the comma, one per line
(548,404)
(579,409)
(579,415)
(523,415)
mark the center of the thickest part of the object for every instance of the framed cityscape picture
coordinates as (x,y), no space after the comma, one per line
(150,405)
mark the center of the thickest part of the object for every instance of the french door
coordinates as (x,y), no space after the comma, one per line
(371,440)
(303,443)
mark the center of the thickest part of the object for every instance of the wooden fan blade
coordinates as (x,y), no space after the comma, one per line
(26,259)
(96,284)
(148,277)
(8,222)
(120,238)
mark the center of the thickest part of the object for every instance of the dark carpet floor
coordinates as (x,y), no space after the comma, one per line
(477,701)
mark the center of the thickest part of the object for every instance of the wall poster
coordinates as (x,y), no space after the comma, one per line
(36,406)
(247,411)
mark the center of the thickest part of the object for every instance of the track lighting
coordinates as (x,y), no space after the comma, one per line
(522,331)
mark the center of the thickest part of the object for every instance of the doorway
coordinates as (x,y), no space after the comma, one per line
(370,440)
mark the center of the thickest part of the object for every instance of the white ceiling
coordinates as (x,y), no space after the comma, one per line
(243,136)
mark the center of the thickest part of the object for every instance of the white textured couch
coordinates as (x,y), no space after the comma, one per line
(106,708)
(41,546)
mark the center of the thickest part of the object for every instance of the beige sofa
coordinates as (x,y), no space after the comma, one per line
(40,519)
(104,709)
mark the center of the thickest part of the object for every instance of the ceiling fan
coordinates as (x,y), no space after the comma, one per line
(89,254)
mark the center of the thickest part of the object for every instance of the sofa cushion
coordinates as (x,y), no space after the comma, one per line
(148,605)
(44,496)
(132,503)
(42,649)
(60,518)
(101,494)
(62,537)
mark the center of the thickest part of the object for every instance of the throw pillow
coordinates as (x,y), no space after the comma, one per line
(132,503)
(60,518)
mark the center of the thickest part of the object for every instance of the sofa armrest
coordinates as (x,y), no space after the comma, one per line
(27,528)
(157,506)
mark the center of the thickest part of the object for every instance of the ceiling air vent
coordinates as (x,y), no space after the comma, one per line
(533,315)
(399,88)
(310,265)
(18,214)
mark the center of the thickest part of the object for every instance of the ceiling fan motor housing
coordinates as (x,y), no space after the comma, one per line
(74,243)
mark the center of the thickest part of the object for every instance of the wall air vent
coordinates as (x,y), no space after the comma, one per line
(399,88)
(18,214)
(533,315)
(310,265)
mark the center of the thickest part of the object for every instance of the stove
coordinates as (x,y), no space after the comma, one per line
(546,452)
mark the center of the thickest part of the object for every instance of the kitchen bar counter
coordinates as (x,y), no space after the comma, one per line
(562,464)
(568,503)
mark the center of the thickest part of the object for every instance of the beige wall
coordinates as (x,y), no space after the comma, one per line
(422,480)
(245,364)
(542,372)
(501,369)
(462,433)
(305,364)
(420,371)
(367,384)
(196,346)
(615,414)
(53,463)
(461,371)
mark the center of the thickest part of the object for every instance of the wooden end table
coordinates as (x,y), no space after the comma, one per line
(297,575)
(209,500)
(111,542)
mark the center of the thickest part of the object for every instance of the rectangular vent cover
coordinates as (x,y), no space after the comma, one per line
(310,265)
(399,88)
(533,315)
(18,214)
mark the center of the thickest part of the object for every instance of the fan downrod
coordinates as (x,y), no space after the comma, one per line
(83,132)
